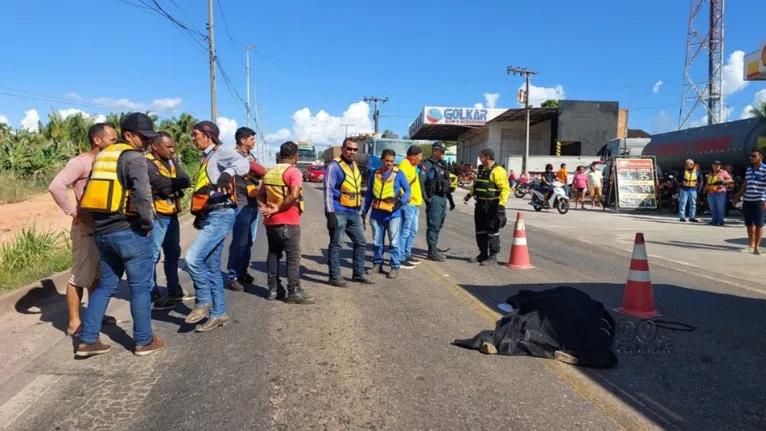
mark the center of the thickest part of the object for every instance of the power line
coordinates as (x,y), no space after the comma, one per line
(228,33)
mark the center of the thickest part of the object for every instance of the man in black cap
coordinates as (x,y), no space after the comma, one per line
(491,191)
(437,193)
(119,196)
(213,204)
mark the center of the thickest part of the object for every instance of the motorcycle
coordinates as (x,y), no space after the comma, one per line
(522,189)
(558,199)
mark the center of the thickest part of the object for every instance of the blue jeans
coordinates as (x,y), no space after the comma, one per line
(717,203)
(687,195)
(166,236)
(243,235)
(393,228)
(203,260)
(351,225)
(410,214)
(122,252)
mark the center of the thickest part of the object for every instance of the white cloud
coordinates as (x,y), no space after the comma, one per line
(4,120)
(733,73)
(538,95)
(760,97)
(161,106)
(227,127)
(702,121)
(323,128)
(662,123)
(74,96)
(491,99)
(66,113)
(31,121)
(478,105)
(657,85)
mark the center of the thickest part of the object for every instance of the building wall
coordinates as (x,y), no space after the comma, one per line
(590,123)
(506,139)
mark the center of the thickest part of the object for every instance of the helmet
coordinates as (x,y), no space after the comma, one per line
(548,166)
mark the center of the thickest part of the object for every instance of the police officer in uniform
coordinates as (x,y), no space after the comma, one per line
(437,193)
(491,191)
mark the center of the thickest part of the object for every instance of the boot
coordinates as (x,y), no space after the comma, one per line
(376,269)
(477,259)
(296,295)
(277,292)
(433,254)
(491,260)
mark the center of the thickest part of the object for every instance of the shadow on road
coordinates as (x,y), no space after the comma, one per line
(706,378)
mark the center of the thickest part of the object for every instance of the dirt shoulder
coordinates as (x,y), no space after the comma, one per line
(40,210)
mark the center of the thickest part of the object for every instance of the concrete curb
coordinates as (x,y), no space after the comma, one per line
(32,297)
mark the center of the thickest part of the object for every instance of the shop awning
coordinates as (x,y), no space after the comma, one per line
(536,115)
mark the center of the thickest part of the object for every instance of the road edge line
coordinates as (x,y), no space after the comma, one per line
(619,412)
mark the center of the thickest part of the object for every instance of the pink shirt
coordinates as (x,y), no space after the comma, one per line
(580,180)
(74,174)
(292,177)
(722,176)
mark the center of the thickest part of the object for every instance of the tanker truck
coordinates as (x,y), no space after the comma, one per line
(728,142)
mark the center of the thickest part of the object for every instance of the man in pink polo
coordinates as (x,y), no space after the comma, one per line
(85,258)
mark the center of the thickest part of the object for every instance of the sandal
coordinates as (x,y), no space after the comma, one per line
(76,333)
(107,320)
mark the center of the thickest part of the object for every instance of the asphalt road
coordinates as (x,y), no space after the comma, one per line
(379,357)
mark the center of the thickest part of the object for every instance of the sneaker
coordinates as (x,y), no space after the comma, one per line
(197,314)
(491,260)
(164,304)
(363,280)
(338,282)
(213,323)
(156,345)
(694,220)
(414,260)
(236,286)
(393,273)
(406,264)
(436,256)
(299,296)
(85,350)
(682,220)
(746,250)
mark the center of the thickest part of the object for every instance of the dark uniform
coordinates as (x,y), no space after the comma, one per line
(491,191)
(437,194)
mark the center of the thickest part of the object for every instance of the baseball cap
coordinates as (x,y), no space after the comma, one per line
(210,128)
(717,162)
(140,123)
(437,145)
(489,153)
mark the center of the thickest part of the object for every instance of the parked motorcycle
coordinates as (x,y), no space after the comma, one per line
(558,199)
(522,189)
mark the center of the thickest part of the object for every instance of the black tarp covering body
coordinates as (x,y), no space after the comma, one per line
(541,323)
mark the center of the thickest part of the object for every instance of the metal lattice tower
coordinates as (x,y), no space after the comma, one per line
(707,94)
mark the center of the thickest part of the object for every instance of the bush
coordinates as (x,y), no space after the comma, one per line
(16,188)
(32,255)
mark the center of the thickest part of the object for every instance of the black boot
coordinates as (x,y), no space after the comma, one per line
(477,259)
(433,254)
(296,295)
(277,292)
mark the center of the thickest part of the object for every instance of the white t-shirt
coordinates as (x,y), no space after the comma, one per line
(595,179)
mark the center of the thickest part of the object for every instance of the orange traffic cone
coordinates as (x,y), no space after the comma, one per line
(519,258)
(638,300)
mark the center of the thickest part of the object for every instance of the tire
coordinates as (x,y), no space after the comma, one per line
(538,207)
(519,193)
(562,206)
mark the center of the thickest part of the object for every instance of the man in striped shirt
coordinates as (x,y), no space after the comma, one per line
(754,203)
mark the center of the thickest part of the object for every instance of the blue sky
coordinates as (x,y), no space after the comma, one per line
(326,56)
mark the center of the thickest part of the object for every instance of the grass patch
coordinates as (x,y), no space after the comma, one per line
(32,255)
(191,169)
(16,188)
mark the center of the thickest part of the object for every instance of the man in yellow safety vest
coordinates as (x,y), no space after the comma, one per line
(387,191)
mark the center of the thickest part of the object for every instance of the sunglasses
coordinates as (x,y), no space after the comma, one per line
(353,150)
(753,156)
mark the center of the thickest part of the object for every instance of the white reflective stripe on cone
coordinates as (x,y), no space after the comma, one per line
(642,276)
(520,225)
(639,253)
(519,241)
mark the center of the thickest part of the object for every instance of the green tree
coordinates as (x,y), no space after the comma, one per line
(426,151)
(759,111)
(550,103)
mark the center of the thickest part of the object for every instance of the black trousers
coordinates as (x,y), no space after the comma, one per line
(284,238)
(487,227)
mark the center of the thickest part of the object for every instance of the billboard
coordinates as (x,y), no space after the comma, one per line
(469,117)
(755,65)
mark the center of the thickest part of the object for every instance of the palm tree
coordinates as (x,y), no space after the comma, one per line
(759,111)
(77,131)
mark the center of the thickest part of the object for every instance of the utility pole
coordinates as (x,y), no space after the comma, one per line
(346,126)
(211,47)
(376,114)
(527,73)
(247,68)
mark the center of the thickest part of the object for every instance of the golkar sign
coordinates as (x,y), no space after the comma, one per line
(462,116)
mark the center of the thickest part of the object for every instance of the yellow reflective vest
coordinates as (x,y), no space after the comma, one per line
(276,188)
(351,186)
(172,204)
(203,187)
(383,197)
(411,173)
(104,192)
(690,178)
